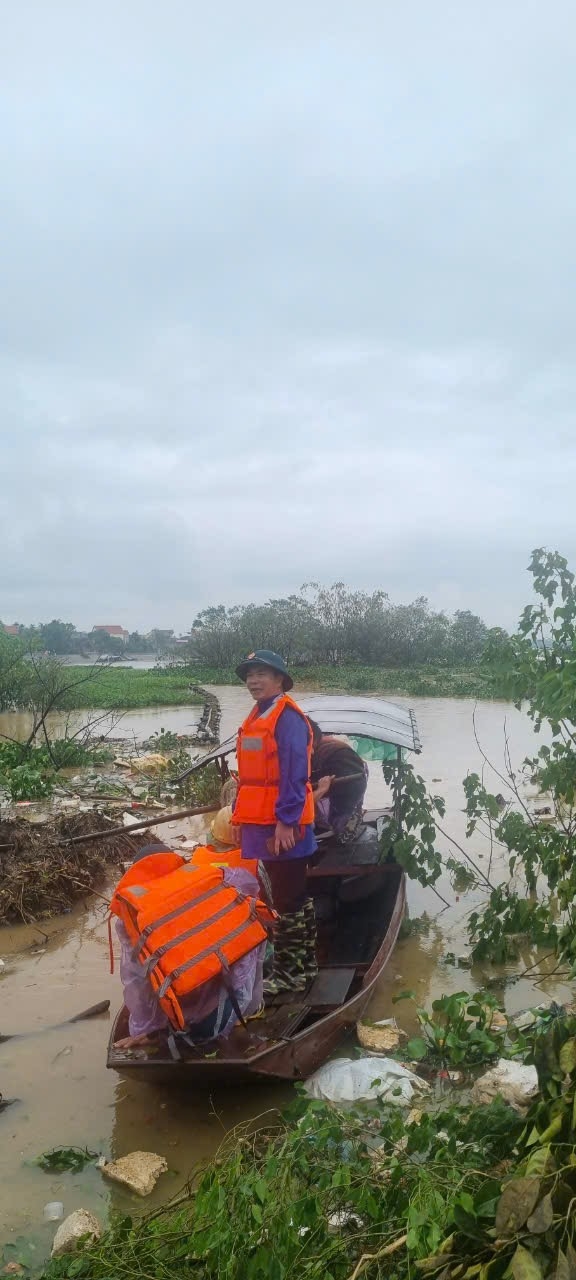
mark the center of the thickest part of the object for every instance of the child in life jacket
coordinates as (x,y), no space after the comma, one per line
(209,1011)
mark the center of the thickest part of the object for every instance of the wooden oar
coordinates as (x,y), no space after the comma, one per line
(93,1012)
(141,826)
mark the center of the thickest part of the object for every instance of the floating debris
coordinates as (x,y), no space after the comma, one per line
(80,1226)
(380,1037)
(516,1083)
(40,876)
(139,1171)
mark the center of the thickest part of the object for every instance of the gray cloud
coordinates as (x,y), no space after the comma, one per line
(286,296)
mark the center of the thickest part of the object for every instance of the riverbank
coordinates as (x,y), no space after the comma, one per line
(422,682)
(127,689)
(457,1189)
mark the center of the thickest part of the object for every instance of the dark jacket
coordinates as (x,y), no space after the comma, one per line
(335,757)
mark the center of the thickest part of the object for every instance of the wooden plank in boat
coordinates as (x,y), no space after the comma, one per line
(330,987)
(284,1020)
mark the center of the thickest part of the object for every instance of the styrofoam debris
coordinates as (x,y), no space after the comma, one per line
(379,1037)
(139,1171)
(78,1226)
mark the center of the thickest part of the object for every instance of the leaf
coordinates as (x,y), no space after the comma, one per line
(417,1048)
(60,1159)
(563,1270)
(433,1263)
(542,1218)
(257,1213)
(541,1161)
(467,1223)
(517,1202)
(568,1056)
(524,1265)
(553,1129)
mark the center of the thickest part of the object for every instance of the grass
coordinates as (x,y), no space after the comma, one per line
(466,1191)
(123,688)
(423,682)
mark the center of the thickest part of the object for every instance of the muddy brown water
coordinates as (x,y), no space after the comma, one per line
(66,1095)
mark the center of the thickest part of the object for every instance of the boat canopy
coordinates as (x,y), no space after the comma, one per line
(370,718)
(364,718)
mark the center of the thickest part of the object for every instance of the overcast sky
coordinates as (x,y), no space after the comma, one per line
(288,293)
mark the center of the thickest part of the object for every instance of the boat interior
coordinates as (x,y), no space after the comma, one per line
(354,895)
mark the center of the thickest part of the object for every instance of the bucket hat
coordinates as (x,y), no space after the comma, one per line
(265,658)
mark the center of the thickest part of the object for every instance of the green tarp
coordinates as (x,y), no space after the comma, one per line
(373,749)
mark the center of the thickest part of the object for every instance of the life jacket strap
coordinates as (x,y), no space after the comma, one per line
(110,943)
(171,915)
(214,949)
(189,933)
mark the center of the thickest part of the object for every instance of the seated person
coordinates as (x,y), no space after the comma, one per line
(208,1010)
(338,806)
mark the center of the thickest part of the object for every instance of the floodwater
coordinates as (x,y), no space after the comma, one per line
(66,1095)
(136,725)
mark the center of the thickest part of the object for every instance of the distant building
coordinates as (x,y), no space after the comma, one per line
(10,630)
(118,633)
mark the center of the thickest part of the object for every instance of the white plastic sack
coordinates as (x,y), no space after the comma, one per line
(355,1079)
(515,1083)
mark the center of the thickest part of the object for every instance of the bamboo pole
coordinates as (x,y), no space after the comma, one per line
(141,826)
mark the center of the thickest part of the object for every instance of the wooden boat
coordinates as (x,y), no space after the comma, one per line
(360,905)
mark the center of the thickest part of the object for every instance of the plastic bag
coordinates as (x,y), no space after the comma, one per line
(515,1083)
(353,1079)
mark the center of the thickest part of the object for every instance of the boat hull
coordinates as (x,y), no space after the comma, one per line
(248,1056)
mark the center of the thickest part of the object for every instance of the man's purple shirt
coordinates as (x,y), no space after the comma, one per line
(291,735)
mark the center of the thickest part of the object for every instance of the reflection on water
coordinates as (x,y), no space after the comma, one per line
(136,725)
(67,1095)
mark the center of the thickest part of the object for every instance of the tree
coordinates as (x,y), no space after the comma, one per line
(138,643)
(347,622)
(160,641)
(104,644)
(336,625)
(536,905)
(57,637)
(468,637)
(14,674)
(285,625)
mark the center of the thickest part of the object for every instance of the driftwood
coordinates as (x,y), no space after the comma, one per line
(93,1012)
(141,826)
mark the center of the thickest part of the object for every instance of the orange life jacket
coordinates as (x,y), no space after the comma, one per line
(186,925)
(207,855)
(259,770)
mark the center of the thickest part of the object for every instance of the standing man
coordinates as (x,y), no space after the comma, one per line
(275,812)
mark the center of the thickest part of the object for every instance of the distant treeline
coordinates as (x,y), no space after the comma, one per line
(324,626)
(63,638)
(336,626)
